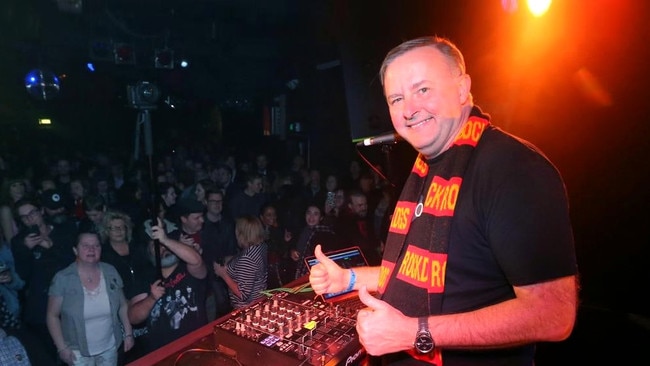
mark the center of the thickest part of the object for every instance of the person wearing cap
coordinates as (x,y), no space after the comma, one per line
(55,206)
(172,303)
(190,220)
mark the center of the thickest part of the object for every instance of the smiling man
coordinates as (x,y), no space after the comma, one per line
(479,262)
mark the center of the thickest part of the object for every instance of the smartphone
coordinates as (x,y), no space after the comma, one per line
(33,229)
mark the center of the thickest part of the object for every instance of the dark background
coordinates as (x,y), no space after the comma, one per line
(573,82)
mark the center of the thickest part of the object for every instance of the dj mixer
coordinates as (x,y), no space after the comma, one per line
(291,329)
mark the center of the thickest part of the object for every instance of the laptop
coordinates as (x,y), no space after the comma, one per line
(346,258)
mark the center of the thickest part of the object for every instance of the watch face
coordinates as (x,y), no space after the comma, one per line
(423,343)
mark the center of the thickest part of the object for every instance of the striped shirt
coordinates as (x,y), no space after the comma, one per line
(248,269)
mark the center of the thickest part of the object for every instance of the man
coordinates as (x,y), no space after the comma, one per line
(190,221)
(248,202)
(155,306)
(219,243)
(356,227)
(94,210)
(479,262)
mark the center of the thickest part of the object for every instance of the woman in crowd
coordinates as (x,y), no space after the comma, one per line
(246,273)
(314,232)
(120,251)
(281,268)
(13,189)
(87,311)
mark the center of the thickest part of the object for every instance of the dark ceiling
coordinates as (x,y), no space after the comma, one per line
(236,48)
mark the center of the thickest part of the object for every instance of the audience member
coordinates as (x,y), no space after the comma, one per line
(87,311)
(245,274)
(77,194)
(314,232)
(281,267)
(173,304)
(249,201)
(94,209)
(40,250)
(121,250)
(13,189)
(219,245)
(355,227)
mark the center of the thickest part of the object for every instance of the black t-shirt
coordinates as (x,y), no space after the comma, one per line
(511,227)
(178,312)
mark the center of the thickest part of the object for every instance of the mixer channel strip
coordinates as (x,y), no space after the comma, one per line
(291,329)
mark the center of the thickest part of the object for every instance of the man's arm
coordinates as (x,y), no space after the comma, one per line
(195,265)
(542,312)
(328,277)
(140,305)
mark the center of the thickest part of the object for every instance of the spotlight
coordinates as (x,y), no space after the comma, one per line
(124,54)
(143,95)
(184,63)
(90,67)
(164,59)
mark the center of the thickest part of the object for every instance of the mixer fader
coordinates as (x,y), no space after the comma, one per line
(292,329)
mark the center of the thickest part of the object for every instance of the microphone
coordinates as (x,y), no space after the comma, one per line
(386,138)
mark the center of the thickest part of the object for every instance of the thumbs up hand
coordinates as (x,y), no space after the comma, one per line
(327,276)
(382,328)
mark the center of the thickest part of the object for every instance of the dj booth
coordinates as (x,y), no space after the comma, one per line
(293,328)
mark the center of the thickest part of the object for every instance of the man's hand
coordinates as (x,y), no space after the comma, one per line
(327,276)
(156,290)
(381,326)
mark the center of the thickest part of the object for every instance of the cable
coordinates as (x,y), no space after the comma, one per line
(203,350)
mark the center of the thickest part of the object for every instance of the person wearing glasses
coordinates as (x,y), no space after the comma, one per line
(219,245)
(40,250)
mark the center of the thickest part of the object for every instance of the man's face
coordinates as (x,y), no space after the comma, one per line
(256,185)
(223,177)
(359,205)
(167,258)
(30,215)
(76,189)
(192,223)
(95,216)
(425,95)
(215,204)
(63,167)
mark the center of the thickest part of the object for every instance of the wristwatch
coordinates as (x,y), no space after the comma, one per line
(423,341)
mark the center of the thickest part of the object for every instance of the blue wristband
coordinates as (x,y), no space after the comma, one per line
(353,280)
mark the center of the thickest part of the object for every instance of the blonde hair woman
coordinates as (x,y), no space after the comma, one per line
(246,273)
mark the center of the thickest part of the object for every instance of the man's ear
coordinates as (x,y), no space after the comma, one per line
(464,88)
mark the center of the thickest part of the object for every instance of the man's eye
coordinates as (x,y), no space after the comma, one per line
(395,100)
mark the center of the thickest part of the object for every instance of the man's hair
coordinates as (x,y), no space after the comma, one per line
(249,230)
(445,46)
(94,203)
(25,201)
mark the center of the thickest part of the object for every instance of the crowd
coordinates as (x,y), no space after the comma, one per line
(102,260)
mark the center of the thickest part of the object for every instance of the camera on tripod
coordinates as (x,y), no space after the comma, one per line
(143,95)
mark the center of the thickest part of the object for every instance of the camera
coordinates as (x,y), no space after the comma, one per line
(143,95)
